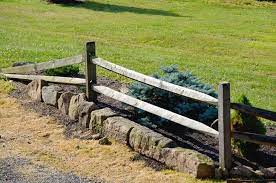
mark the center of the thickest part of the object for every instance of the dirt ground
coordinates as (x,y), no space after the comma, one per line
(40,143)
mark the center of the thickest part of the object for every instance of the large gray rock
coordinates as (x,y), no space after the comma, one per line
(51,94)
(189,161)
(64,102)
(118,128)
(75,102)
(85,109)
(148,142)
(34,89)
(97,118)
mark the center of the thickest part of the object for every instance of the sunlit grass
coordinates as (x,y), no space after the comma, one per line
(245,3)
(216,40)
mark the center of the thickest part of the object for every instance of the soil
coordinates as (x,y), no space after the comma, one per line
(265,157)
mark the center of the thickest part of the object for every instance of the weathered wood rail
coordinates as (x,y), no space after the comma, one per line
(224,134)
(52,79)
(35,67)
(187,92)
(255,138)
(125,99)
(270,115)
(190,123)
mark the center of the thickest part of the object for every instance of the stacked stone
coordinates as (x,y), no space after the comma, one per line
(108,124)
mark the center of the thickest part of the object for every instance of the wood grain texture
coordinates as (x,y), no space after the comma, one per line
(184,121)
(43,66)
(125,99)
(90,71)
(53,79)
(156,82)
(255,138)
(270,115)
(225,151)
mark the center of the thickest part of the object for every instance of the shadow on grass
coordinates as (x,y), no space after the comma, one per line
(96,6)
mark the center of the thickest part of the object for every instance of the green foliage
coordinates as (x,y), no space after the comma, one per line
(4,78)
(225,41)
(247,3)
(176,103)
(246,123)
(5,85)
(66,71)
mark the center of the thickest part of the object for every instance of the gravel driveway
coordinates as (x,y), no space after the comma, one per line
(20,170)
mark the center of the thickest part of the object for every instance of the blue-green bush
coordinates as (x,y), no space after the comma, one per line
(173,102)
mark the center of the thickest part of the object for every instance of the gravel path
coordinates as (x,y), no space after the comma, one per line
(20,170)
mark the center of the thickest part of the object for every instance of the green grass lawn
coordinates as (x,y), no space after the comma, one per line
(233,41)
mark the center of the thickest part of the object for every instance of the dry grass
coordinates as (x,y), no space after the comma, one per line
(41,138)
(5,86)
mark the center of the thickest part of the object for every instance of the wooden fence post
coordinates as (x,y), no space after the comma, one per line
(90,73)
(225,153)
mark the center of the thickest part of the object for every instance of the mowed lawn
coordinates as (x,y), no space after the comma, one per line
(216,41)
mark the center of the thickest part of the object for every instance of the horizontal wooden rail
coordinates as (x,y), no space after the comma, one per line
(184,121)
(125,99)
(255,138)
(43,66)
(156,82)
(270,115)
(53,79)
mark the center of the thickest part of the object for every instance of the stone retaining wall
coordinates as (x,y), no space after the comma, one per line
(139,138)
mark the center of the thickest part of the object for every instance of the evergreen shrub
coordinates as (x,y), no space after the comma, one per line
(246,123)
(66,71)
(182,105)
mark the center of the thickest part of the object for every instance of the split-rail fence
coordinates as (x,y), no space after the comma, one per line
(224,133)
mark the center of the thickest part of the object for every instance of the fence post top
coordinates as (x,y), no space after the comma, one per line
(224,83)
(90,42)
